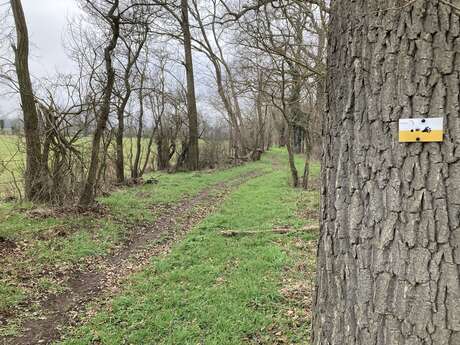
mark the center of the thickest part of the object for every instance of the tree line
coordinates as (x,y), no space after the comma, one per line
(136,69)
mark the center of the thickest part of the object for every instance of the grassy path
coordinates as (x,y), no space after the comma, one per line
(43,250)
(216,290)
(147,241)
(130,288)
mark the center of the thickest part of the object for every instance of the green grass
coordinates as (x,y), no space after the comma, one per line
(9,146)
(89,241)
(198,269)
(48,285)
(48,243)
(11,160)
(213,289)
(17,225)
(9,295)
(130,204)
(133,203)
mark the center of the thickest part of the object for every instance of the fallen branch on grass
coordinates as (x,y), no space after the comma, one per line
(234,233)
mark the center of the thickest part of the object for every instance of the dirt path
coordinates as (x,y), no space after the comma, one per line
(58,312)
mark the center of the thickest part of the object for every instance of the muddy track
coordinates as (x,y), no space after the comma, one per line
(59,312)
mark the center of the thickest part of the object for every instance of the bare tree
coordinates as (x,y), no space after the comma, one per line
(134,40)
(292,35)
(36,179)
(192,147)
(136,171)
(110,13)
(178,13)
(223,74)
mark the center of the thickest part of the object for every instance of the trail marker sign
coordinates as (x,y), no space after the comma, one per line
(428,129)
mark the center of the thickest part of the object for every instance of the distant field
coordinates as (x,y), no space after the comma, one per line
(11,160)
(9,145)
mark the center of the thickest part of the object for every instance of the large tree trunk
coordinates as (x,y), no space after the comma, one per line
(193,150)
(389,250)
(36,177)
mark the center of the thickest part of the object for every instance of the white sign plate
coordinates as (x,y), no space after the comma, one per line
(428,129)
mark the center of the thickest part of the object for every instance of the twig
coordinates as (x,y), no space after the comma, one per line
(234,233)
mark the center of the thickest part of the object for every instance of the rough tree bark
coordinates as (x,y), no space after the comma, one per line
(193,150)
(36,187)
(389,249)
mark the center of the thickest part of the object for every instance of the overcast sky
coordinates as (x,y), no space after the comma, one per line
(47,22)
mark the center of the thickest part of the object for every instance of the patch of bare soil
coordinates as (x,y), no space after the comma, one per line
(6,246)
(106,275)
(309,214)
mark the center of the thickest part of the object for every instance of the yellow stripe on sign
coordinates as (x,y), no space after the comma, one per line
(419,136)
